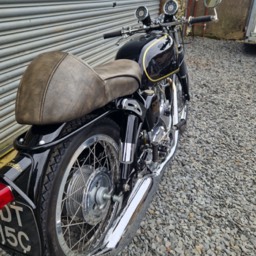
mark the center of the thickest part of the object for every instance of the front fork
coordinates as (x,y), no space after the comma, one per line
(183,71)
(175,114)
(184,79)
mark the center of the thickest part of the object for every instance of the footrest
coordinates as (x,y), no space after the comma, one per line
(180,124)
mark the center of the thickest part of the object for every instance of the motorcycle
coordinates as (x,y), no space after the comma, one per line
(99,142)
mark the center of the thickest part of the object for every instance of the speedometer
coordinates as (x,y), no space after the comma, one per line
(171,7)
(142,15)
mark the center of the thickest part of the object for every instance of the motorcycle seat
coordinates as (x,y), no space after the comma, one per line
(58,87)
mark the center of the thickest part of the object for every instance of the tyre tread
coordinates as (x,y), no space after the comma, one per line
(51,172)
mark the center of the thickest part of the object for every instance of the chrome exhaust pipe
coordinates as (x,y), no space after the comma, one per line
(137,197)
(118,230)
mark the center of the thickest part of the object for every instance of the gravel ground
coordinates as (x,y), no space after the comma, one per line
(206,203)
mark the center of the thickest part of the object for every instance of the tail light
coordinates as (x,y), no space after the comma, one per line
(6,195)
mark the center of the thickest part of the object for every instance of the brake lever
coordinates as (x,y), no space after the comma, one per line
(129,31)
(121,39)
(126,32)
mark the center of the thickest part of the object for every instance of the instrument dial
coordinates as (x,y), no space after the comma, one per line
(141,13)
(171,7)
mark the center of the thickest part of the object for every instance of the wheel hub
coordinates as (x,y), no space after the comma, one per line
(75,191)
(88,194)
(96,199)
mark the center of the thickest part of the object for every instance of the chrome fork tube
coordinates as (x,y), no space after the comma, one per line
(175,102)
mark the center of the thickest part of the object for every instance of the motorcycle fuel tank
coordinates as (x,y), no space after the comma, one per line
(156,54)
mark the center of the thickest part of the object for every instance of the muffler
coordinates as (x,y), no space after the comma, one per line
(138,196)
(120,226)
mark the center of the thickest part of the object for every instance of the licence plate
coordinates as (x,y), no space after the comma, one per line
(18,229)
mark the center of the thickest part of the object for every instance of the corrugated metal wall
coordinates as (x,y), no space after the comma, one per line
(28,28)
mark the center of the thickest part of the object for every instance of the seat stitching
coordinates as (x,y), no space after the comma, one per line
(47,86)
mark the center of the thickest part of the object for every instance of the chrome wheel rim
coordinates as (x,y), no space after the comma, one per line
(83,214)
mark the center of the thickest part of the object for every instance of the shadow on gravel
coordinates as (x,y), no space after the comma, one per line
(250,49)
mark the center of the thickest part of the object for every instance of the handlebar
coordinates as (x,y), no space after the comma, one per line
(131,31)
(128,31)
(200,19)
(112,34)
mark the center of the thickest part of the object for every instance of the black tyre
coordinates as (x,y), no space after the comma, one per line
(75,211)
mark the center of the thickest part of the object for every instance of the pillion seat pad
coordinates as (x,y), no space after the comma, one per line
(58,87)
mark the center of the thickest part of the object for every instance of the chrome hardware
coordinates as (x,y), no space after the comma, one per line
(21,140)
(132,105)
(126,153)
(158,134)
(139,193)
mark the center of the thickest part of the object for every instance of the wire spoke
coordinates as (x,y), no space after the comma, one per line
(78,233)
(69,196)
(86,159)
(81,238)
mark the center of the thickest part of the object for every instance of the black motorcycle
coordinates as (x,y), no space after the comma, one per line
(99,141)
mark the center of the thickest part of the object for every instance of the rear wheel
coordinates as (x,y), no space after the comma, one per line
(76,209)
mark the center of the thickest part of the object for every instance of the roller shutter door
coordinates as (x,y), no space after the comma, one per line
(28,28)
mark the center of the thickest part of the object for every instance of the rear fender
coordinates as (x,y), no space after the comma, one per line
(19,220)
(23,173)
(19,232)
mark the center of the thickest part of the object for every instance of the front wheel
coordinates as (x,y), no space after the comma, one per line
(76,209)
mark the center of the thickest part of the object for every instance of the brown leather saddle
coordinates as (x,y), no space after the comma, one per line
(58,87)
